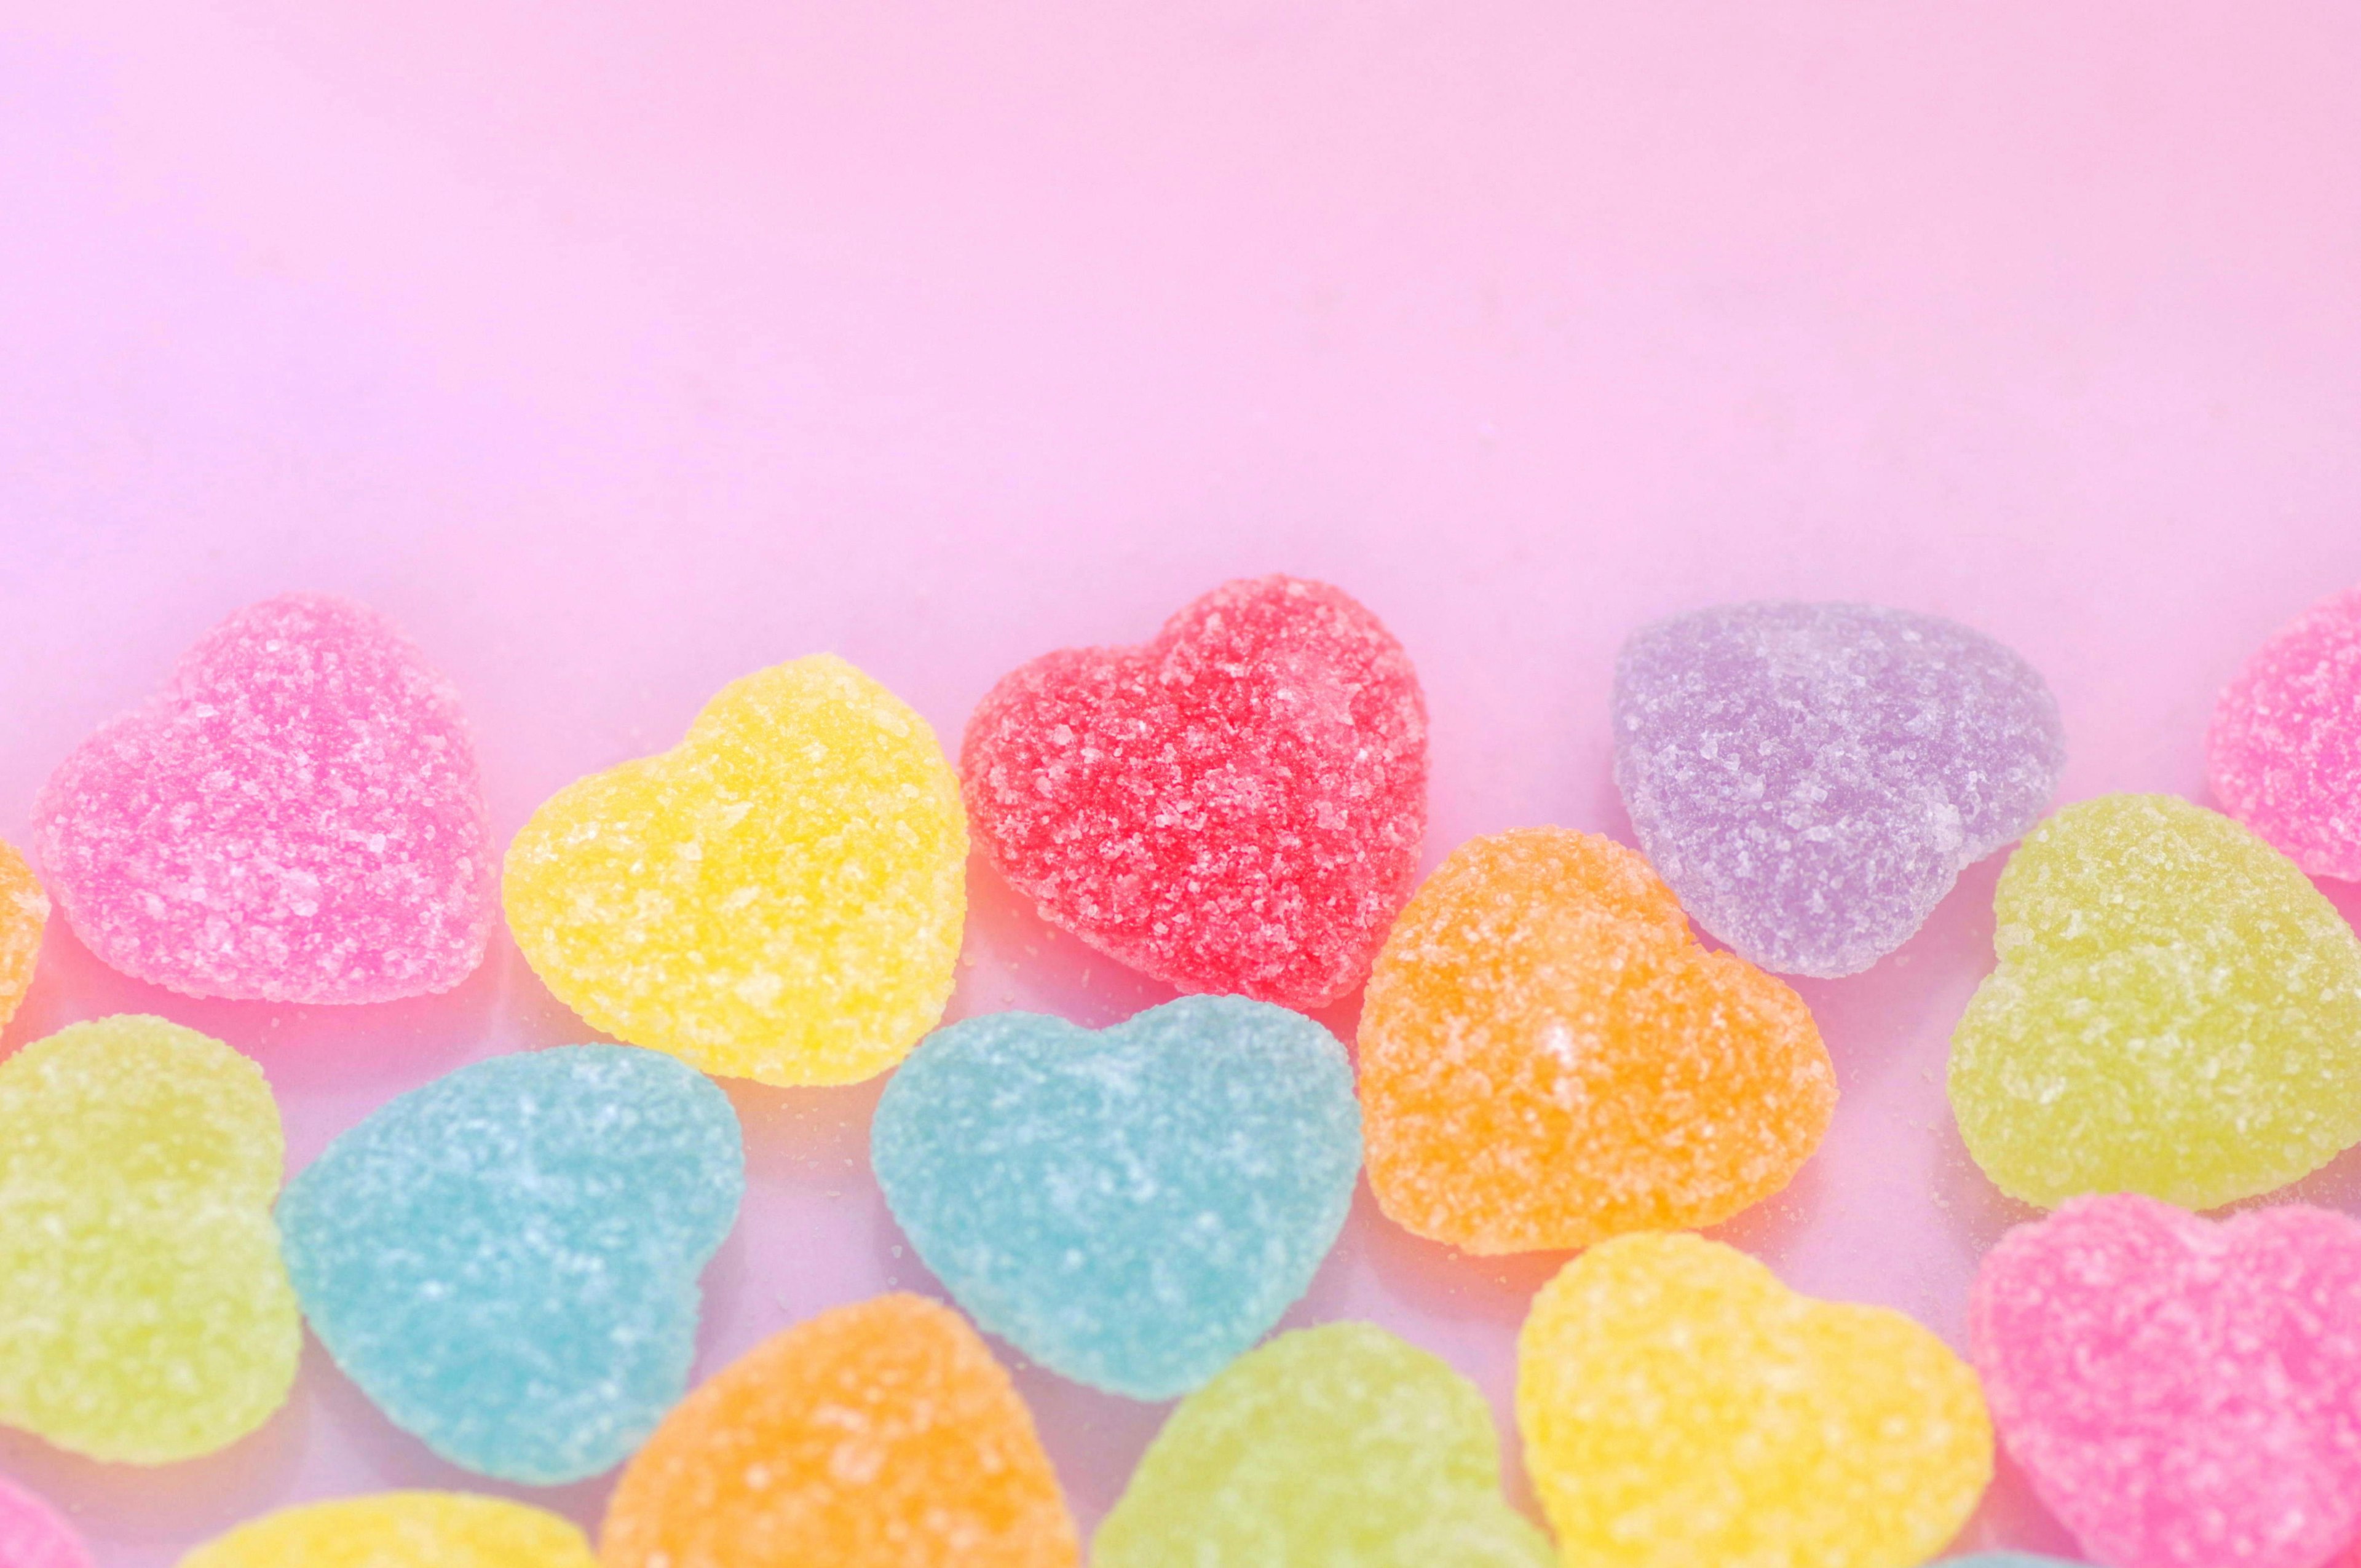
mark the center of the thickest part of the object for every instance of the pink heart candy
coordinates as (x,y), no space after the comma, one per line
(296,817)
(2183,1394)
(2285,747)
(33,1536)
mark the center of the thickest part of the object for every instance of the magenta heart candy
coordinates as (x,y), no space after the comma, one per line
(1236,806)
(296,817)
(2285,747)
(2183,1394)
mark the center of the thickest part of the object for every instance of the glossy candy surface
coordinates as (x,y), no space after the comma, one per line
(1812,778)
(296,817)
(1547,1060)
(144,1316)
(778,897)
(1680,1406)
(506,1260)
(2177,1012)
(1339,1444)
(1134,1207)
(2183,1394)
(877,1435)
(1236,806)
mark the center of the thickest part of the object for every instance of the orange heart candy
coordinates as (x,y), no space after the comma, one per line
(877,1435)
(1547,1060)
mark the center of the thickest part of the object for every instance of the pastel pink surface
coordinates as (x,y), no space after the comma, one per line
(2285,749)
(1236,806)
(33,1536)
(2184,1394)
(298,817)
(614,350)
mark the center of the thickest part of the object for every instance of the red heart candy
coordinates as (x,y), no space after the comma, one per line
(1236,806)
(2183,1394)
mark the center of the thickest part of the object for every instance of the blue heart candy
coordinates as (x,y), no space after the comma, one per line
(506,1261)
(1132,1208)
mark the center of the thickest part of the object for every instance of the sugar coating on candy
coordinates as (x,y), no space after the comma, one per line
(1339,1444)
(1547,1060)
(1131,1208)
(24,912)
(2183,1394)
(1812,778)
(296,817)
(1236,806)
(401,1530)
(2285,747)
(778,897)
(33,1536)
(1681,1407)
(2177,1012)
(2005,1559)
(506,1260)
(877,1435)
(144,1316)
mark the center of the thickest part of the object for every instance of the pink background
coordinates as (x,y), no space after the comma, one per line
(619,347)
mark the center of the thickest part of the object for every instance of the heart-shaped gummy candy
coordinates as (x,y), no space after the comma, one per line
(1812,778)
(1547,1060)
(506,1260)
(401,1530)
(1132,1208)
(1680,1406)
(2183,1394)
(1339,1444)
(2177,1012)
(297,818)
(877,1435)
(24,912)
(2285,747)
(144,1316)
(1236,806)
(778,897)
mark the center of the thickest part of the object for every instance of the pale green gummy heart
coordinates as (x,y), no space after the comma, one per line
(1333,1447)
(2177,1012)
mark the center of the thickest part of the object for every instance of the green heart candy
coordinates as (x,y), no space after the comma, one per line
(1326,1447)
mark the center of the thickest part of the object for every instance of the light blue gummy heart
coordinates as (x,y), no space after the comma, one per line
(506,1261)
(1132,1208)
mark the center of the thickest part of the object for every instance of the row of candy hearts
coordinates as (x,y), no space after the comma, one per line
(494,1256)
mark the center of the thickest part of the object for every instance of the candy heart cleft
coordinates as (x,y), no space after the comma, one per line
(1236,806)
(2181,1394)
(2284,751)
(2177,1012)
(401,1530)
(778,897)
(1547,1060)
(1132,1208)
(145,1316)
(506,1260)
(1812,778)
(297,818)
(1680,1406)
(1338,1444)
(877,1435)
(23,913)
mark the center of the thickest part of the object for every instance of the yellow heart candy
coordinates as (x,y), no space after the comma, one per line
(777,897)
(144,1315)
(401,1530)
(1681,1407)
(24,910)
